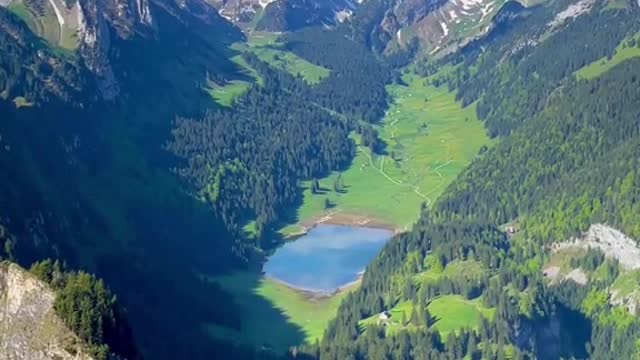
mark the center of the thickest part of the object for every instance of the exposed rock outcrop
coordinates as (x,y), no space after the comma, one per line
(29,327)
(283,15)
(611,242)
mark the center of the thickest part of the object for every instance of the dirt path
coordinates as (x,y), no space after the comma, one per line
(415,189)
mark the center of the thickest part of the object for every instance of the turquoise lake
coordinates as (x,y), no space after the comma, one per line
(327,258)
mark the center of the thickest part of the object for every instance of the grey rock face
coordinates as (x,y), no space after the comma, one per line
(29,327)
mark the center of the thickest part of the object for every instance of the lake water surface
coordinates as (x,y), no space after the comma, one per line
(327,258)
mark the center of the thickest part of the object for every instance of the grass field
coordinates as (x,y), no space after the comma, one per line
(626,283)
(290,62)
(469,269)
(264,307)
(449,313)
(266,47)
(453,312)
(430,139)
(227,93)
(599,67)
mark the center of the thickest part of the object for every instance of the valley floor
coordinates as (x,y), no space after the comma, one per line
(430,138)
(307,315)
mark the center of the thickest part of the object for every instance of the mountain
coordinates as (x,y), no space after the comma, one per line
(90,28)
(28,306)
(46,318)
(431,27)
(518,238)
(285,15)
(120,158)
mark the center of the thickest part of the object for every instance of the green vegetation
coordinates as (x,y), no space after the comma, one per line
(629,48)
(626,284)
(42,20)
(453,312)
(227,93)
(263,306)
(89,309)
(18,8)
(430,139)
(267,48)
(448,313)
(290,62)
(456,270)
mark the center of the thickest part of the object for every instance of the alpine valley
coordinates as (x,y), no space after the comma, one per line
(319,179)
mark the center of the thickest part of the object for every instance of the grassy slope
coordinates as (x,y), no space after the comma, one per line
(626,283)
(469,269)
(311,315)
(454,312)
(264,47)
(599,67)
(227,93)
(18,8)
(450,313)
(46,25)
(432,139)
(311,73)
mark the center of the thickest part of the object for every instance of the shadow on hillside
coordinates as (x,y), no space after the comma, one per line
(179,317)
(176,312)
(171,238)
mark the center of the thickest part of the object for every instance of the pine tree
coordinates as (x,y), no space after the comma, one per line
(315,186)
(426,315)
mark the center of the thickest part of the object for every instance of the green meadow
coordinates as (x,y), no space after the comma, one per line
(290,62)
(623,52)
(265,47)
(448,313)
(264,305)
(430,138)
(454,312)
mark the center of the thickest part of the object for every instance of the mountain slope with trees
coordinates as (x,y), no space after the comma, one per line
(554,172)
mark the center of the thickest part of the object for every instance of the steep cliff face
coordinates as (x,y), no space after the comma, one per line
(91,27)
(285,15)
(435,25)
(29,327)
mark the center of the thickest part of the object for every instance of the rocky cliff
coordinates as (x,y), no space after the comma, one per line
(285,15)
(91,27)
(29,327)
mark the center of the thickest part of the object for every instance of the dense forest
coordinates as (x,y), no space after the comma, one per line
(567,158)
(248,161)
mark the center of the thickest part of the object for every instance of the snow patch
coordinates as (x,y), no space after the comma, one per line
(264,3)
(343,15)
(445,29)
(469,4)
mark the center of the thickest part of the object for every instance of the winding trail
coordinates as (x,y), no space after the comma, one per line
(415,189)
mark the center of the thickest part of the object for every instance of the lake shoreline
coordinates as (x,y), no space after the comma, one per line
(344,219)
(315,295)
